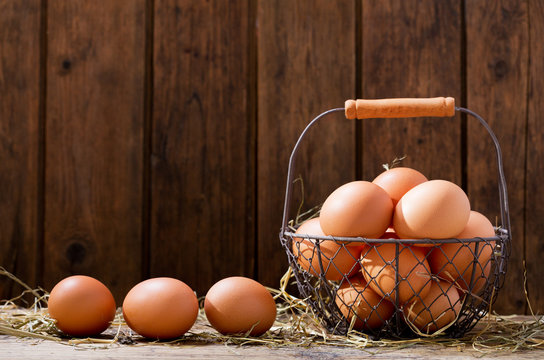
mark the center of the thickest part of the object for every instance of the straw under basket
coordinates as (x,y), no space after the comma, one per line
(311,259)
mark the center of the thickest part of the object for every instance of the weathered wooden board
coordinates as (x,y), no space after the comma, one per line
(497,73)
(412,49)
(93,153)
(20,164)
(202,341)
(306,65)
(202,157)
(152,137)
(15,348)
(534,196)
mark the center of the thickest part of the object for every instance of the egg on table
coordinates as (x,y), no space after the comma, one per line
(81,306)
(240,305)
(160,308)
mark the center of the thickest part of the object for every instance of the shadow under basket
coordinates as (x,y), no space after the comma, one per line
(398,288)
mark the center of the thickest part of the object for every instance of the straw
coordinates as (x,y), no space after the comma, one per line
(296,325)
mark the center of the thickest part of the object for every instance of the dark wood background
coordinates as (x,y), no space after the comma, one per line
(146,138)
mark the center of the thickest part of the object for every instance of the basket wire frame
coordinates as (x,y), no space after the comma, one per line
(315,285)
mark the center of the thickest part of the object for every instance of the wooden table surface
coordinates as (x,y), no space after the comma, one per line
(17,348)
(26,348)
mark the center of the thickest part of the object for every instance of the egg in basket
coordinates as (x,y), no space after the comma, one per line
(401,255)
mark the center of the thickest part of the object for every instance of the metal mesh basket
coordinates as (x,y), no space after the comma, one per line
(356,296)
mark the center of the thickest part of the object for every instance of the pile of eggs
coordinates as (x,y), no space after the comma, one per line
(162,308)
(425,281)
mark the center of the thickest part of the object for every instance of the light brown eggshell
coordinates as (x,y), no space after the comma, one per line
(435,310)
(81,306)
(358,208)
(455,262)
(397,181)
(236,305)
(337,259)
(355,298)
(389,234)
(378,268)
(160,308)
(435,209)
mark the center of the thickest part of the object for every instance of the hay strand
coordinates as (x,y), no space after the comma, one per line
(296,325)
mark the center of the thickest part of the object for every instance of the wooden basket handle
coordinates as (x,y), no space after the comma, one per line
(400,108)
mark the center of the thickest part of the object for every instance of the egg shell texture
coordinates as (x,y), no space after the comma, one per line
(160,308)
(337,259)
(398,181)
(455,261)
(380,265)
(436,209)
(236,305)
(81,306)
(435,310)
(358,208)
(355,298)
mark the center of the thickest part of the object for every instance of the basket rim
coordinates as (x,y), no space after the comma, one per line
(501,235)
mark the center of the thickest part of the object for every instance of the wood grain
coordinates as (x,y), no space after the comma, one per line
(412,49)
(306,65)
(95,95)
(19,141)
(14,348)
(534,196)
(497,59)
(195,347)
(128,154)
(202,222)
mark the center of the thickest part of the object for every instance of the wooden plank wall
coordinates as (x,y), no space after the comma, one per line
(497,74)
(151,137)
(21,176)
(93,141)
(202,143)
(318,68)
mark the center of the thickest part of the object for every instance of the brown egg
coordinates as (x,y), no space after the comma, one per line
(81,306)
(378,268)
(435,209)
(160,308)
(358,208)
(344,258)
(455,262)
(358,299)
(238,305)
(435,310)
(397,181)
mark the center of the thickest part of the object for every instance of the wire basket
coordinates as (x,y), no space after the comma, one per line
(342,278)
